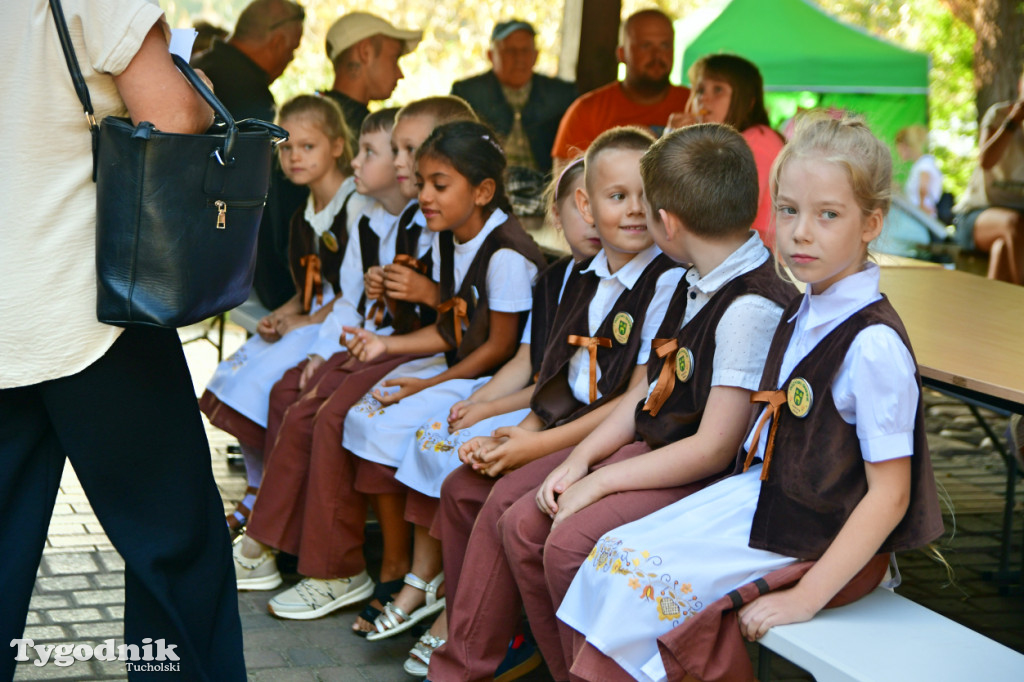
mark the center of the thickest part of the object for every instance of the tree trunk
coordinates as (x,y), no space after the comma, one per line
(999,26)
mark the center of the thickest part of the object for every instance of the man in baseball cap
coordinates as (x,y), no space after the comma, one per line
(522,106)
(364,50)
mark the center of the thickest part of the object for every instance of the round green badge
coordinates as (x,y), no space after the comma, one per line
(799,397)
(622,325)
(330,241)
(684,364)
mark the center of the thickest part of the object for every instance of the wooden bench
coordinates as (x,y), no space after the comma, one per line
(886,637)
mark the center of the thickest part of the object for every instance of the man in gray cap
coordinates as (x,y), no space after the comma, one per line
(523,107)
(364,50)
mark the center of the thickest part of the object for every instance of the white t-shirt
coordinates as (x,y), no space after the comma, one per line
(875,386)
(925,164)
(509,273)
(609,288)
(346,309)
(528,330)
(48,325)
(745,330)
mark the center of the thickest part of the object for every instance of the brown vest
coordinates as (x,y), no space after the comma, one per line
(817,475)
(411,316)
(369,253)
(680,415)
(553,400)
(473,291)
(546,292)
(303,242)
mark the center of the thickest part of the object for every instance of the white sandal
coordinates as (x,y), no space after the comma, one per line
(418,662)
(394,620)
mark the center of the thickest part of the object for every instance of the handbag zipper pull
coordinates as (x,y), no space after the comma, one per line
(222,213)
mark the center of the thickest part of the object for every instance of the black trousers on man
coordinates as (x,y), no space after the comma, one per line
(130,426)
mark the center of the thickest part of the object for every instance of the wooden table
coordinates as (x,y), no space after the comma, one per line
(967,331)
(968,336)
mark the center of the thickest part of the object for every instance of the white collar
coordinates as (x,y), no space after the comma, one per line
(629,273)
(840,300)
(744,259)
(321,221)
(381,221)
(497,218)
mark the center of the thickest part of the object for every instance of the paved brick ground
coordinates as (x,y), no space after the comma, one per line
(79,592)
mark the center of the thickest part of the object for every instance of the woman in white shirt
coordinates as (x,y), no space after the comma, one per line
(924,184)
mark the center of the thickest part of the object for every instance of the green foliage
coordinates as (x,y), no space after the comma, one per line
(928,26)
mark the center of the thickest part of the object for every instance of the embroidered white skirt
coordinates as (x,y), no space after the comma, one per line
(436,452)
(385,434)
(243,381)
(646,577)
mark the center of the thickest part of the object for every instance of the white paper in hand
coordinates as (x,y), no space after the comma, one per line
(181,42)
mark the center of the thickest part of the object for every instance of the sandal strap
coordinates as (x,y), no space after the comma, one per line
(413,580)
(424,648)
(387,621)
(431,641)
(385,591)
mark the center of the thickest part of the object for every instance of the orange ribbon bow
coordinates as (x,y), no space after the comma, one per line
(663,348)
(591,343)
(410,262)
(461,311)
(313,282)
(775,400)
(377,311)
(379,306)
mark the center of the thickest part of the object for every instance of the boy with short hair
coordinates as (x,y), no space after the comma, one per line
(701,187)
(597,348)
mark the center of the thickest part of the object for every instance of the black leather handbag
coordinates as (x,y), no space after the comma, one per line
(177,215)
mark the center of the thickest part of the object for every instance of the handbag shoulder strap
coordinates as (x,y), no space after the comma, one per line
(76,77)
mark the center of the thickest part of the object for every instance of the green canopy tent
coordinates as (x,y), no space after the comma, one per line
(808,58)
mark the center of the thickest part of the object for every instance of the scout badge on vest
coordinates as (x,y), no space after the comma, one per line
(684,364)
(799,397)
(622,325)
(330,241)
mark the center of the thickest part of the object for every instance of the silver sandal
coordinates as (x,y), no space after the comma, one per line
(394,620)
(418,662)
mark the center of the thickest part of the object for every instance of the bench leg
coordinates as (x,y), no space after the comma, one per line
(218,322)
(1003,574)
(764,663)
(221,319)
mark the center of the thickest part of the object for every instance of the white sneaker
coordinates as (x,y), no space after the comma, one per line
(255,574)
(314,597)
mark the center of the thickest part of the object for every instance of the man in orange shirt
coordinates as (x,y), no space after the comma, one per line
(644,98)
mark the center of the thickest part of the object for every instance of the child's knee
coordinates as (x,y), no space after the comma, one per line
(523,527)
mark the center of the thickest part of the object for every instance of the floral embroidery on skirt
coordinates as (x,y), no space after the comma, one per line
(673,600)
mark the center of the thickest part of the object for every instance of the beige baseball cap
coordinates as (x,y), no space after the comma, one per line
(355,26)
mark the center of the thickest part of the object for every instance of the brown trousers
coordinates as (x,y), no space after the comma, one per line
(308,504)
(249,433)
(546,561)
(374,478)
(483,611)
